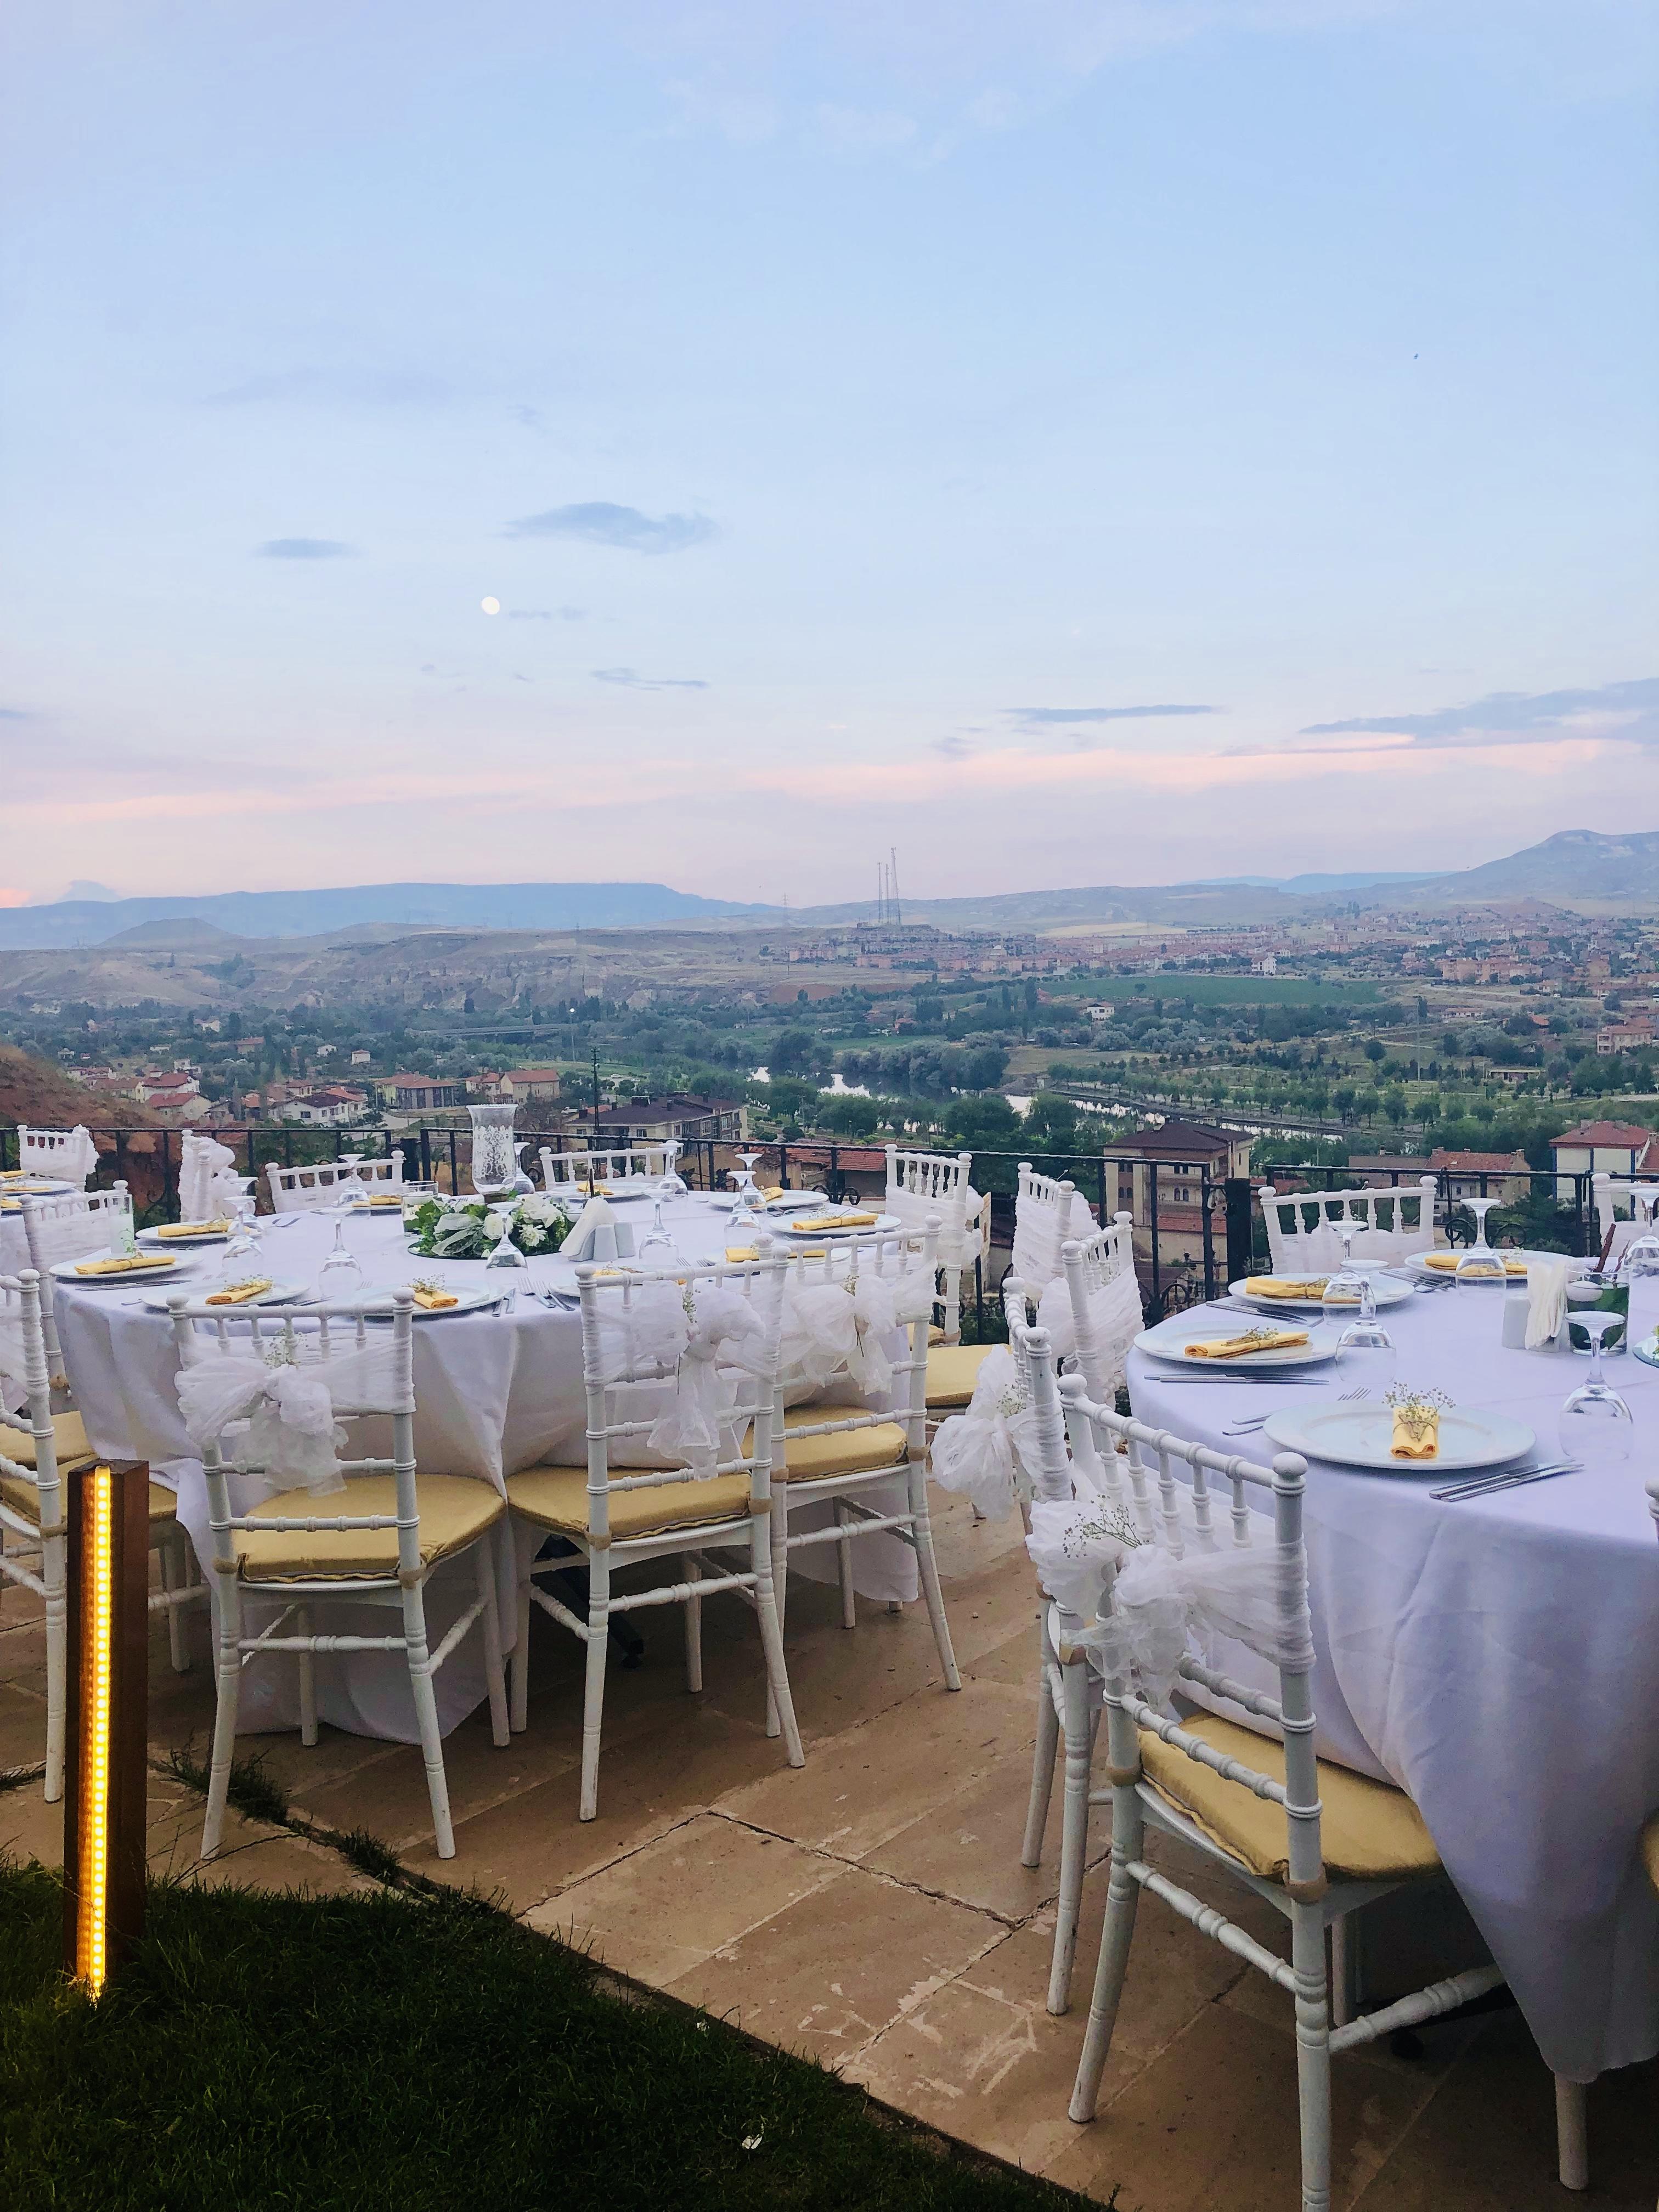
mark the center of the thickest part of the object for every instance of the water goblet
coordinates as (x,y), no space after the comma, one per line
(1366,1350)
(1480,1263)
(504,1253)
(242,1245)
(1347,1286)
(673,1185)
(340,1278)
(1639,1267)
(350,1189)
(1595,1428)
(656,1245)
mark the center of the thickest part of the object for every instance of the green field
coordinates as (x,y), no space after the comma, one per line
(1217,990)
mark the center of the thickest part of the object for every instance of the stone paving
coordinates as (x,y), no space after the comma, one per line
(870,1909)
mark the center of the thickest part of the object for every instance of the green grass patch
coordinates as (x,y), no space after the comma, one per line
(1121,991)
(392,2054)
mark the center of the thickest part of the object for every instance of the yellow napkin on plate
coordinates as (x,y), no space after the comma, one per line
(736,1252)
(238,1294)
(381,1202)
(1445,1263)
(811,1221)
(1286,1286)
(434,1301)
(194,1229)
(1416,1433)
(1240,1347)
(122,1267)
(773,1190)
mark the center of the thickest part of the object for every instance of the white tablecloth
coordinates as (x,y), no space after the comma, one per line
(494,1393)
(1498,1659)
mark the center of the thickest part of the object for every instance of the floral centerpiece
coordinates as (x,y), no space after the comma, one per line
(440,1232)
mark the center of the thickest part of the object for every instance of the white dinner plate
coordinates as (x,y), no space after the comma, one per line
(1387,1289)
(883,1225)
(1418,1264)
(279,1294)
(788,1198)
(1169,1339)
(1358,1435)
(163,1264)
(152,1241)
(377,1304)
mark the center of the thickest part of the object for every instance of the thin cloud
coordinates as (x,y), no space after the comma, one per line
(1039,717)
(952,748)
(1628,712)
(397,387)
(304,549)
(633,682)
(599,522)
(546,614)
(15,714)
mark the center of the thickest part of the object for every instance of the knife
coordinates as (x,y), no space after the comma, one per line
(1486,1485)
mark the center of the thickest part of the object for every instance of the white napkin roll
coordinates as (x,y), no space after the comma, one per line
(1547,1301)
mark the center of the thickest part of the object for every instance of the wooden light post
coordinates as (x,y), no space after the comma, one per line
(107,1507)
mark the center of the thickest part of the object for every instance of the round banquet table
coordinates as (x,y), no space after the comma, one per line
(494,1392)
(1497,1657)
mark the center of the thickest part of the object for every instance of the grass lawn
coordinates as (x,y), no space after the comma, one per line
(390,2053)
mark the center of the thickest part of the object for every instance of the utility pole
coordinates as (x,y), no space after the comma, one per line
(892,881)
(595,1098)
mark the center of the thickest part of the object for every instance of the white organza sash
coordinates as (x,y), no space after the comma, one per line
(989,1454)
(675,1355)
(1256,1594)
(956,1248)
(1115,1320)
(288,1402)
(841,1327)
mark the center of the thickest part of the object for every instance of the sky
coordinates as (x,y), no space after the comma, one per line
(713,444)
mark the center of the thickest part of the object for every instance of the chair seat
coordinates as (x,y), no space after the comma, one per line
(69,1433)
(853,1451)
(556,1497)
(1650,1850)
(935,1334)
(952,1372)
(454,1509)
(1369,1832)
(23,1498)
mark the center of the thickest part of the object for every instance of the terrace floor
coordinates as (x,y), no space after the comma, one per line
(870,1909)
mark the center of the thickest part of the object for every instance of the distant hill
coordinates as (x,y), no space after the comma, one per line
(311,913)
(1571,866)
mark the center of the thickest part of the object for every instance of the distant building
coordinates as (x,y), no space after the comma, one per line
(361,1059)
(1101,1013)
(1602,1148)
(527,1083)
(424,1094)
(333,1107)
(1636,1033)
(1502,1175)
(649,1121)
(1168,1165)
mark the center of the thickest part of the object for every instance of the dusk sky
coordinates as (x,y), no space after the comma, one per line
(1074,443)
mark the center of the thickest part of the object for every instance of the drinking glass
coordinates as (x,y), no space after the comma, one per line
(504,1253)
(350,1189)
(1480,1263)
(340,1279)
(673,1185)
(1637,1270)
(1595,1428)
(242,1246)
(746,1212)
(656,1245)
(1365,1351)
(1347,1287)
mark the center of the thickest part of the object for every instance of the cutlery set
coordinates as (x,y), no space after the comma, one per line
(1259,1420)
(1512,1479)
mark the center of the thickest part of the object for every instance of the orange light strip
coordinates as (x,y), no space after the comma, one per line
(92,1887)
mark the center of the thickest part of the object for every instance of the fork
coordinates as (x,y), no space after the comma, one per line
(1259,1420)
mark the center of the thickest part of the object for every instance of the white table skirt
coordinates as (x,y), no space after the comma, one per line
(494,1393)
(1499,1660)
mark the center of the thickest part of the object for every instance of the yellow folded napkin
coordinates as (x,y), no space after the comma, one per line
(123,1265)
(434,1301)
(835,1220)
(1416,1432)
(238,1294)
(1286,1286)
(736,1252)
(194,1229)
(773,1190)
(1254,1339)
(1445,1263)
(381,1201)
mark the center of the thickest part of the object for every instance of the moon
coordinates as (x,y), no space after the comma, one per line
(490,606)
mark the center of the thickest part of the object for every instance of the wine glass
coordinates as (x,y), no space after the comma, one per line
(750,1205)
(350,1189)
(522,1185)
(242,1245)
(656,1245)
(673,1185)
(1637,1266)
(1366,1350)
(1595,1428)
(1349,1285)
(504,1253)
(1480,1263)
(340,1278)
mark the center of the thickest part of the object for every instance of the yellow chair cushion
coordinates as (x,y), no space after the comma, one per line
(1369,1832)
(69,1433)
(853,1451)
(556,1497)
(935,1333)
(454,1509)
(952,1372)
(1650,1850)
(24,1498)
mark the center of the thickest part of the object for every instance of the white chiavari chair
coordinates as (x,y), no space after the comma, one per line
(1305,1227)
(924,1187)
(851,1417)
(65,1155)
(1047,1211)
(36,1452)
(574,1175)
(1093,1312)
(680,1366)
(291,1377)
(304,1189)
(1625,1205)
(1313,1839)
(78,1226)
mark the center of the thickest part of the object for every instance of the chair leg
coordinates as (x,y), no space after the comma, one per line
(302,1626)
(779,1549)
(426,1719)
(1074,1832)
(228,1688)
(849,1612)
(929,1565)
(1313,2054)
(599,1639)
(1122,1897)
(693,1609)
(778,1699)
(1043,1757)
(1571,2133)
(521,1660)
(175,1576)
(53,1575)
(1345,1969)
(494,1675)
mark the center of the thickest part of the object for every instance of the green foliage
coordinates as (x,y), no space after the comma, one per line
(444,1230)
(986,1122)
(1050,1123)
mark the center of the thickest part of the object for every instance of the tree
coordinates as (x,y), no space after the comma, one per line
(1394,1105)
(1374,1049)
(984,1122)
(1051,1123)
(792,1052)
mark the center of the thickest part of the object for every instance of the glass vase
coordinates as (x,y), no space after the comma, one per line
(495,1157)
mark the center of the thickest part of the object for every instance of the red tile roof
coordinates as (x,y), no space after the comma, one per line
(1623,1135)
(1478,1162)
